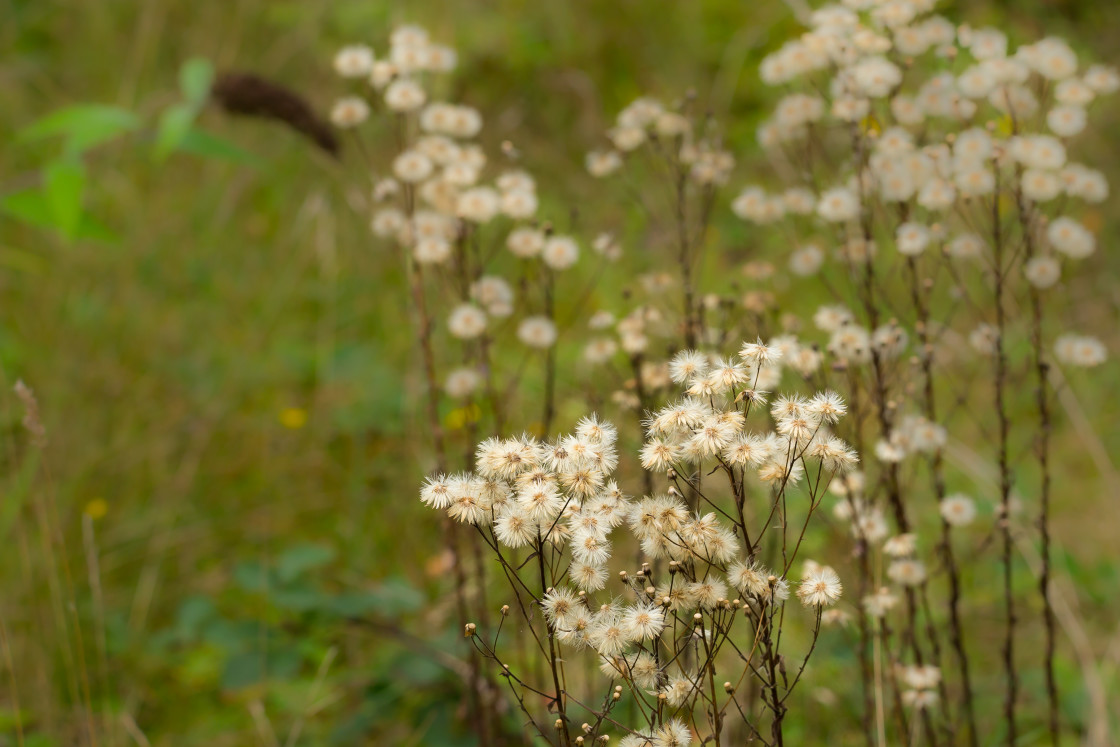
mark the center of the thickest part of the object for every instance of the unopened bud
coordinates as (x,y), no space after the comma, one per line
(505,610)
(468,630)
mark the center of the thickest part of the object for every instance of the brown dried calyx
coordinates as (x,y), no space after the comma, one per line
(254,96)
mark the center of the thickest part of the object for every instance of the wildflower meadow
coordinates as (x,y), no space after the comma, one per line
(639,374)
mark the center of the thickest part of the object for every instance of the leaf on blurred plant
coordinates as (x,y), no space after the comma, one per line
(84,126)
(200,143)
(195,78)
(29,206)
(250,667)
(298,600)
(299,559)
(34,208)
(174,124)
(242,669)
(252,576)
(354,604)
(65,182)
(397,596)
(193,612)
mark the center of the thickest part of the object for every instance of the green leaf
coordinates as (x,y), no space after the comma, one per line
(242,669)
(33,207)
(252,576)
(298,600)
(84,126)
(397,596)
(301,558)
(195,77)
(29,206)
(201,143)
(354,604)
(174,124)
(65,182)
(193,612)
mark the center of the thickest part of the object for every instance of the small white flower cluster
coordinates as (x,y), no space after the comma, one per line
(411,53)
(558,499)
(647,120)
(851,344)
(923,682)
(1080,351)
(559,491)
(914,434)
(438,199)
(925,152)
(708,424)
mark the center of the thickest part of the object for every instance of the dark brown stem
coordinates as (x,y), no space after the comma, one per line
(684,259)
(550,360)
(956,629)
(1010,673)
(560,711)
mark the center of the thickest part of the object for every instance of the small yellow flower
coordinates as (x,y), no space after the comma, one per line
(461,416)
(97,508)
(293,417)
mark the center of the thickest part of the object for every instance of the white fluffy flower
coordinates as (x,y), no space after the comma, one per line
(560,252)
(1066,121)
(820,588)
(462,382)
(537,332)
(1071,238)
(412,166)
(349,112)
(467,321)
(404,95)
(479,204)
(1042,272)
(958,510)
(603,163)
(912,239)
(838,205)
(354,61)
(1081,351)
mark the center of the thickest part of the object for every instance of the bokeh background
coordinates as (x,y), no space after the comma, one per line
(223,365)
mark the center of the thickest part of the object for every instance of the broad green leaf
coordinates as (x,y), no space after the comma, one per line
(253,576)
(397,596)
(354,604)
(29,206)
(83,117)
(195,77)
(193,612)
(33,207)
(298,600)
(174,124)
(201,143)
(83,126)
(301,558)
(65,182)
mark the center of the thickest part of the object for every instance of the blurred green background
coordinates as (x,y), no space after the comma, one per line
(223,372)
